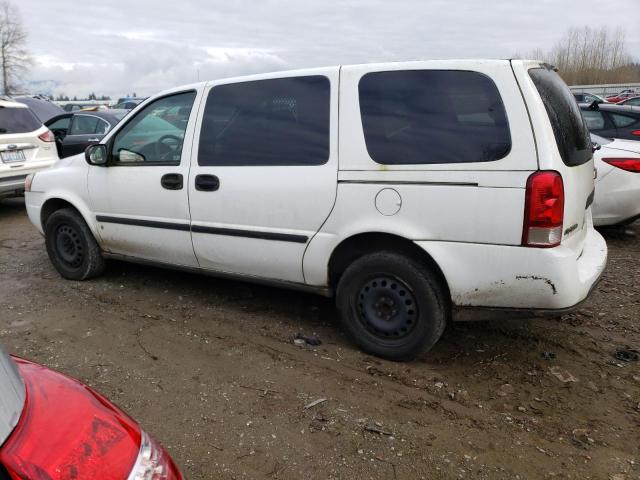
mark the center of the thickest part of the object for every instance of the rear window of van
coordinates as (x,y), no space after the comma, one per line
(569,128)
(18,120)
(433,116)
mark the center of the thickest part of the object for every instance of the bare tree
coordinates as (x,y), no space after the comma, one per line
(590,56)
(14,58)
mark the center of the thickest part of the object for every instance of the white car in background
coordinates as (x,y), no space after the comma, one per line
(617,194)
(26,146)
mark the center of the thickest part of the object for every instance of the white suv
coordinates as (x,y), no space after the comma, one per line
(416,192)
(26,146)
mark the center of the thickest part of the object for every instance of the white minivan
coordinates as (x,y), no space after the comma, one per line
(415,192)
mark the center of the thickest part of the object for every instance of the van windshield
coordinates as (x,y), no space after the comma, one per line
(572,135)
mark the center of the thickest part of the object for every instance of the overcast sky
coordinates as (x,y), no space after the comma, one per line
(120,46)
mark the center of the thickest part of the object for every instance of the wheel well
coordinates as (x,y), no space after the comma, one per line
(355,247)
(51,206)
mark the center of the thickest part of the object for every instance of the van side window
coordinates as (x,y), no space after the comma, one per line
(433,116)
(154,136)
(569,127)
(282,121)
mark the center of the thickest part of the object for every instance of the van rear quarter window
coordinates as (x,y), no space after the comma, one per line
(433,116)
(282,121)
(569,128)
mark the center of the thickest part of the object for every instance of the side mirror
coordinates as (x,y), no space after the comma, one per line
(96,155)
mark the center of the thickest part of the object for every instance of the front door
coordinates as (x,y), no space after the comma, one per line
(264,172)
(140,199)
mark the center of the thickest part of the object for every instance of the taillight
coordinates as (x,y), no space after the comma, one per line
(628,164)
(153,462)
(636,133)
(67,431)
(28,181)
(47,136)
(543,210)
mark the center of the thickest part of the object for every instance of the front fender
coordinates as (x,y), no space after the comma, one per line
(36,201)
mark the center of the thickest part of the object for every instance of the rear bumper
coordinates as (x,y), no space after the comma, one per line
(465,314)
(12,181)
(13,185)
(524,281)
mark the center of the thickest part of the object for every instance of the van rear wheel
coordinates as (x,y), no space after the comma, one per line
(72,249)
(392,306)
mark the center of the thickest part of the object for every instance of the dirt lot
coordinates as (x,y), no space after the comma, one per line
(210,369)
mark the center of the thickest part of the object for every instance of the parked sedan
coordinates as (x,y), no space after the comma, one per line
(53,427)
(617,193)
(623,95)
(75,131)
(632,101)
(26,146)
(584,97)
(612,121)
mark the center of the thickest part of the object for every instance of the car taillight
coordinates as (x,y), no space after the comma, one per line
(47,136)
(28,181)
(153,463)
(543,210)
(636,133)
(68,431)
(628,164)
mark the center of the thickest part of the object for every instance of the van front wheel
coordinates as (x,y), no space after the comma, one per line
(71,247)
(392,306)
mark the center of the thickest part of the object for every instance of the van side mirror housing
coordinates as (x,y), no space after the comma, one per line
(96,155)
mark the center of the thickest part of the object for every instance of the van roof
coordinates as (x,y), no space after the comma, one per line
(11,104)
(449,63)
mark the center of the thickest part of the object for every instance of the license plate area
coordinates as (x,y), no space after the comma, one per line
(12,156)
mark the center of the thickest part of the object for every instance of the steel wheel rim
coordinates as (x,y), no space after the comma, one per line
(69,246)
(387,307)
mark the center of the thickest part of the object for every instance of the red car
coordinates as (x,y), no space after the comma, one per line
(623,95)
(53,427)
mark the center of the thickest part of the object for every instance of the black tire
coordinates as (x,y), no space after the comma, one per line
(71,246)
(392,306)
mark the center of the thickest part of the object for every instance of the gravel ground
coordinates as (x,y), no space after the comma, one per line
(209,367)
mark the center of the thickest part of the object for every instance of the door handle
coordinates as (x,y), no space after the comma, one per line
(171,181)
(207,183)
(93,140)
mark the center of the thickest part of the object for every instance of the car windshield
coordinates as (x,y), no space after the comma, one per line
(18,120)
(11,395)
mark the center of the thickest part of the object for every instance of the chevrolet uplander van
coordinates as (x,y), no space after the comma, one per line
(415,192)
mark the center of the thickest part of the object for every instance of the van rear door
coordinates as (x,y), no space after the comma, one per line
(563,143)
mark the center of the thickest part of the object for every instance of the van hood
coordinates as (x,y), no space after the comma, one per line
(12,394)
